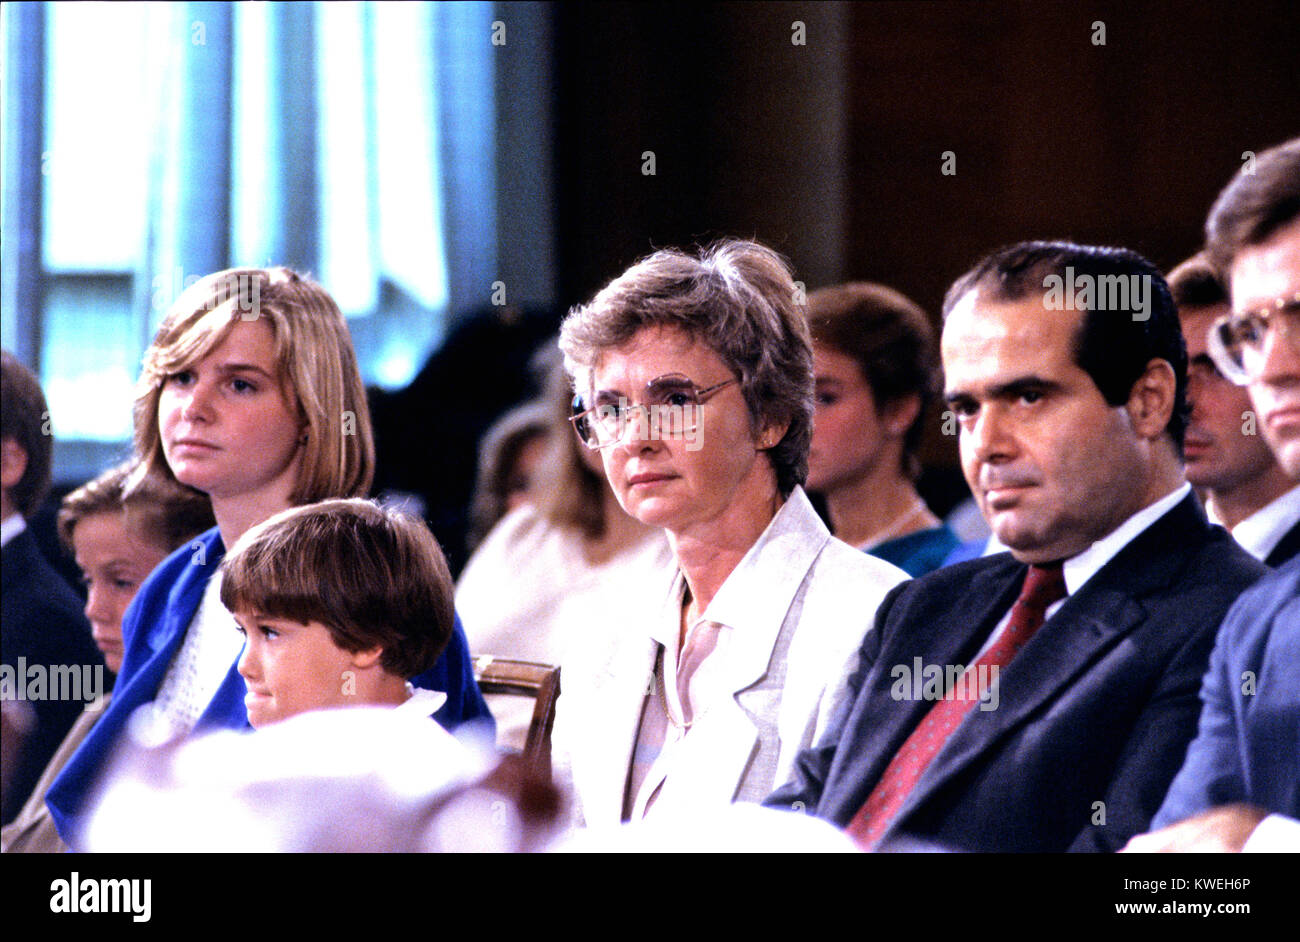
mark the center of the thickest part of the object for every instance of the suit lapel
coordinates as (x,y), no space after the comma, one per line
(711,761)
(775,567)
(1089,623)
(18,559)
(717,752)
(184,599)
(888,719)
(611,721)
(1063,650)
(164,636)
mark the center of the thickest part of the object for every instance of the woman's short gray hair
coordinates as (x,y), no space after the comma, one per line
(739,299)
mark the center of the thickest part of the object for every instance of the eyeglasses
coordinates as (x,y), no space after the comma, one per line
(669,408)
(1236,341)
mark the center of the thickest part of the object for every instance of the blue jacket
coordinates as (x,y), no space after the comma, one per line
(920,552)
(152,632)
(1248,744)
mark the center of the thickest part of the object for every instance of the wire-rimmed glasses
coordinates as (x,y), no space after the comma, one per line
(669,408)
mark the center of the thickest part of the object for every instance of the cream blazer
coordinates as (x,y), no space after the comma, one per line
(799,604)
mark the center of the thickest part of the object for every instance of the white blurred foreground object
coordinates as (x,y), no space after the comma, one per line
(356,779)
(740,828)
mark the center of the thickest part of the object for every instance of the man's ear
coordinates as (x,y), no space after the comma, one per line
(1151,400)
(367,658)
(13,462)
(898,415)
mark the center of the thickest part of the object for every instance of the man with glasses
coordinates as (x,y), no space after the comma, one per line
(1228,461)
(1239,788)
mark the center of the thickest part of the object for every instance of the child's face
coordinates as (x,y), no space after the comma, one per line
(114,560)
(290,668)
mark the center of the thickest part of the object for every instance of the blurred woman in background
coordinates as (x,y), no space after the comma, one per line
(877,370)
(508,458)
(552,569)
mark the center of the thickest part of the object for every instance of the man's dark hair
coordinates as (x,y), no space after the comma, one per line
(24,415)
(1195,284)
(1261,199)
(1114,342)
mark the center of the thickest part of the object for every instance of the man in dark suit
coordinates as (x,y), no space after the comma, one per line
(1240,786)
(46,647)
(1228,460)
(1058,682)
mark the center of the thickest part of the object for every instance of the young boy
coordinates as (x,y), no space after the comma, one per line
(340,602)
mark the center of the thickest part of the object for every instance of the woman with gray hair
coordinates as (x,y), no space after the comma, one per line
(551,570)
(695,381)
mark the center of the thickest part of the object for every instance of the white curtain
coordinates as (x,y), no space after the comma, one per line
(351,140)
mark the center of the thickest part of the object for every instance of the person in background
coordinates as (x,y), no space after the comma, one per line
(695,382)
(876,372)
(250,393)
(551,571)
(1239,787)
(44,635)
(116,543)
(508,459)
(481,369)
(1228,459)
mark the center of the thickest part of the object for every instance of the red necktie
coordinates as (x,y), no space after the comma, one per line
(1043,586)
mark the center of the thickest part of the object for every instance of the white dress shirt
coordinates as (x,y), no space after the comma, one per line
(1080,568)
(13,525)
(1264,529)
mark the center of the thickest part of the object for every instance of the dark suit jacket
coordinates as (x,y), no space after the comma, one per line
(1094,714)
(43,625)
(1248,745)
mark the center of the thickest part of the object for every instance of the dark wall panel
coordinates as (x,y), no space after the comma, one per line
(832,151)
